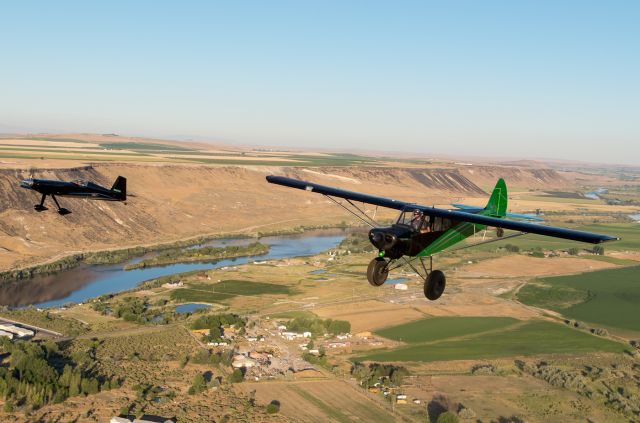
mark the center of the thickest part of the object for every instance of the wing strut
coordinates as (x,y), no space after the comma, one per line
(366,219)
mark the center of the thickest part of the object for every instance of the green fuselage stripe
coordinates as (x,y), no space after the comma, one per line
(452,236)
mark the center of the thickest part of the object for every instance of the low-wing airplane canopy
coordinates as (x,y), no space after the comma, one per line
(454,215)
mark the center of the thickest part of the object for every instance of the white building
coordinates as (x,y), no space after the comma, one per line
(241,361)
(17,331)
(6,334)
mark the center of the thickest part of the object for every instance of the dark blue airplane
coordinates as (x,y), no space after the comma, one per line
(77,188)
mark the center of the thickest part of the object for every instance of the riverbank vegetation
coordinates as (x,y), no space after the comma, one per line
(179,255)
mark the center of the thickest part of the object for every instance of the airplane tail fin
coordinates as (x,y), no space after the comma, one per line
(497,205)
(120,187)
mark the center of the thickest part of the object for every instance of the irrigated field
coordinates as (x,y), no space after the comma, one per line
(438,328)
(209,293)
(607,297)
(520,339)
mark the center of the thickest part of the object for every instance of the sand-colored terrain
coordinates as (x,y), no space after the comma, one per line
(522,265)
(371,315)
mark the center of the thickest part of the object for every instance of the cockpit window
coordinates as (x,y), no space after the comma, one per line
(80,182)
(424,223)
(414,218)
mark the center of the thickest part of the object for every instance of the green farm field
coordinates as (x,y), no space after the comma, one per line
(227,289)
(606,297)
(438,328)
(519,339)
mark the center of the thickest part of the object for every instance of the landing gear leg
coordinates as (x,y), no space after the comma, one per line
(61,210)
(377,271)
(40,207)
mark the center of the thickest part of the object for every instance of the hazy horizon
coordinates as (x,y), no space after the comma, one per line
(541,80)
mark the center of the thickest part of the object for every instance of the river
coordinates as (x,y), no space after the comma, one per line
(88,281)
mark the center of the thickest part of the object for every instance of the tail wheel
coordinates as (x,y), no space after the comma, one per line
(434,285)
(377,271)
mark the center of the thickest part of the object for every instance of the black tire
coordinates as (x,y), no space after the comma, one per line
(434,285)
(377,271)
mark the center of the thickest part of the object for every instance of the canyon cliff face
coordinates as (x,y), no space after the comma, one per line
(170,202)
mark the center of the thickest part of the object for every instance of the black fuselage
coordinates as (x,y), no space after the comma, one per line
(82,189)
(78,188)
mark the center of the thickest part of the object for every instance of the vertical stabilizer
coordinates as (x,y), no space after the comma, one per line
(497,205)
(120,188)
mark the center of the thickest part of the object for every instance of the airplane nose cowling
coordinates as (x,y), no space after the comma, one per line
(381,239)
(27,183)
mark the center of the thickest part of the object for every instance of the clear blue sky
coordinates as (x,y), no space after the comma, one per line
(555,79)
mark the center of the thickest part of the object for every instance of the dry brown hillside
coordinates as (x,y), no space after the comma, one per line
(176,201)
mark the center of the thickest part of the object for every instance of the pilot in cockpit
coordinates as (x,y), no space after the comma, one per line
(417,222)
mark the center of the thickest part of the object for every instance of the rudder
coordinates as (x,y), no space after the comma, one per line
(497,205)
(120,187)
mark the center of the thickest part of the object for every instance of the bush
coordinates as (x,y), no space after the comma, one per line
(273,407)
(512,248)
(447,417)
(199,385)
(237,376)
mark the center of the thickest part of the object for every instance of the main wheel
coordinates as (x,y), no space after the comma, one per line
(377,271)
(434,285)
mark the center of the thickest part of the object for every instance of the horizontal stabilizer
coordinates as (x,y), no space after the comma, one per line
(475,209)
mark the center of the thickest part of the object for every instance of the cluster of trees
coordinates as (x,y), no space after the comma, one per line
(320,359)
(208,357)
(199,254)
(318,326)
(385,374)
(216,322)
(40,374)
(132,309)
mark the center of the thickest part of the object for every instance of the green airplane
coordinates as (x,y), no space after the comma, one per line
(421,231)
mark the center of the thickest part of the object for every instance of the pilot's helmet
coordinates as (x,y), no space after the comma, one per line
(417,212)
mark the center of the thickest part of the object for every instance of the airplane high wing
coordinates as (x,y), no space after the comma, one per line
(455,215)
(422,231)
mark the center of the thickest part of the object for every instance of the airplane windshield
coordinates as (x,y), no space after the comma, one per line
(80,182)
